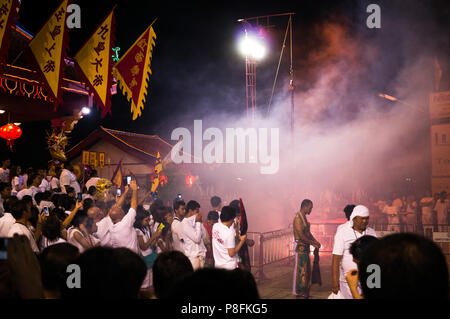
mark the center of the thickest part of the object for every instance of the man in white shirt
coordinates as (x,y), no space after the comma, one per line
(342,260)
(179,207)
(68,178)
(117,228)
(21,214)
(193,235)
(225,251)
(33,183)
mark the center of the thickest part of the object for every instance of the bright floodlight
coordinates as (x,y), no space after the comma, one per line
(251,46)
(85,110)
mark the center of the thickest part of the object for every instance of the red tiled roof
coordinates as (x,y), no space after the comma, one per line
(142,146)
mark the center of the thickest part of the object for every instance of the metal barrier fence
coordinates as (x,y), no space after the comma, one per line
(278,245)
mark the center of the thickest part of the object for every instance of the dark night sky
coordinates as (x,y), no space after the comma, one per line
(195,62)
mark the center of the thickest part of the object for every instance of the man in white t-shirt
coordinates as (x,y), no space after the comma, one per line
(33,187)
(179,207)
(68,178)
(116,229)
(193,235)
(342,260)
(225,251)
(21,214)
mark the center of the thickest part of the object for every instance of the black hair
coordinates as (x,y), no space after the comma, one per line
(141,213)
(305,203)
(109,273)
(47,195)
(69,189)
(68,202)
(215,201)
(348,210)
(28,199)
(8,204)
(60,213)
(51,227)
(192,205)
(92,190)
(213,215)
(228,213)
(18,208)
(88,203)
(412,267)
(34,216)
(238,283)
(32,178)
(38,197)
(360,245)
(177,203)
(169,268)
(54,261)
(3,186)
(235,205)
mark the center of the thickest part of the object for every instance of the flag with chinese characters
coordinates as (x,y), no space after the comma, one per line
(133,69)
(48,48)
(117,178)
(8,12)
(95,62)
(158,168)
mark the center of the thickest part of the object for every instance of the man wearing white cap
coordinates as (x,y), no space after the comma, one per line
(342,258)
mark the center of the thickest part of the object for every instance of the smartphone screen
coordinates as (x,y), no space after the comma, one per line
(119,192)
(46,211)
(79,197)
(128,180)
(179,196)
(3,251)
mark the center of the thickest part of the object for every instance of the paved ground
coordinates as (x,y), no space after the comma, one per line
(278,284)
(279,280)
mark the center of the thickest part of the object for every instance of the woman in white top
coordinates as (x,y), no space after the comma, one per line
(147,242)
(80,234)
(17,181)
(52,232)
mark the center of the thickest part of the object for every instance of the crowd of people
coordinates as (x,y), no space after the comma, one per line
(58,217)
(130,247)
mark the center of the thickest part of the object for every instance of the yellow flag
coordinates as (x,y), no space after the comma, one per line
(95,61)
(158,168)
(8,11)
(48,47)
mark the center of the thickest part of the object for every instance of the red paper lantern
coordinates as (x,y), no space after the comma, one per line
(10,132)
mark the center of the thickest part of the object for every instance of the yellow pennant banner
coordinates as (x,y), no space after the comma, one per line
(95,62)
(8,12)
(133,69)
(49,50)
